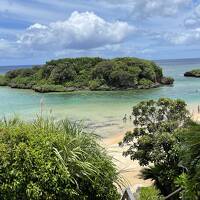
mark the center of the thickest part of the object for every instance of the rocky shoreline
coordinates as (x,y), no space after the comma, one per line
(194,73)
(95,74)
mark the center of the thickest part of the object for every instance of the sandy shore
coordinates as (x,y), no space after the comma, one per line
(130,170)
(194,113)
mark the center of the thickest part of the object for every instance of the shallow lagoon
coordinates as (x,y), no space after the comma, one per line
(102,112)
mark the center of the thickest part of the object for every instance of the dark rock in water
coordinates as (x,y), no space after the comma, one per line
(167,81)
(194,73)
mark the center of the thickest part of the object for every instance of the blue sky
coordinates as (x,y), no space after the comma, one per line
(33,31)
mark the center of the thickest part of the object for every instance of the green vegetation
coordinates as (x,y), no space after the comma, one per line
(193,73)
(88,73)
(53,160)
(155,142)
(189,180)
(167,141)
(3,81)
(149,193)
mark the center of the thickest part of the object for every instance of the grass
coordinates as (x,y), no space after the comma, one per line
(53,160)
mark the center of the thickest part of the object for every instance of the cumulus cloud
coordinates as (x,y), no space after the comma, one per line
(187,37)
(148,8)
(80,31)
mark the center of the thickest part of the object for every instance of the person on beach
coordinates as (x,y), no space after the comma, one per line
(124,118)
(198,109)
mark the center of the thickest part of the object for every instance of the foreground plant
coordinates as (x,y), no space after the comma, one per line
(155,142)
(53,160)
(189,180)
(149,193)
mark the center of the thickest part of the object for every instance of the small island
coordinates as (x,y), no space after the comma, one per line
(194,73)
(84,73)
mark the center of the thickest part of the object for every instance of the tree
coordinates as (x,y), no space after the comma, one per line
(62,73)
(53,160)
(154,140)
(190,159)
(79,73)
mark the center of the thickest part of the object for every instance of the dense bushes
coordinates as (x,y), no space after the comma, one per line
(89,73)
(155,141)
(167,141)
(189,180)
(53,160)
(3,81)
(149,193)
(22,72)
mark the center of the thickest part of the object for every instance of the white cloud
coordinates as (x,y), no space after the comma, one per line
(191,22)
(187,37)
(80,31)
(148,8)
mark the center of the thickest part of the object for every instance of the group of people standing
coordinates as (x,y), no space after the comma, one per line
(125,118)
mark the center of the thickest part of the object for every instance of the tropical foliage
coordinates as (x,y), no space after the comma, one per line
(88,73)
(3,81)
(53,160)
(155,142)
(149,193)
(190,160)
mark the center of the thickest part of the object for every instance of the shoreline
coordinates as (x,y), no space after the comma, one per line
(130,170)
(77,90)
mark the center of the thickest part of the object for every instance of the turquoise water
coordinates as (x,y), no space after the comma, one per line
(101,112)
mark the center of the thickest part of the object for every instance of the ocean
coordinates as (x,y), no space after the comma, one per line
(101,112)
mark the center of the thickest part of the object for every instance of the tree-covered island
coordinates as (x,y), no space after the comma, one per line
(86,73)
(193,73)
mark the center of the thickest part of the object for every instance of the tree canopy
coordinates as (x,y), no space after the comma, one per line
(88,73)
(154,141)
(189,180)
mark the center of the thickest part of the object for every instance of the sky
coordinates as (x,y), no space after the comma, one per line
(34,31)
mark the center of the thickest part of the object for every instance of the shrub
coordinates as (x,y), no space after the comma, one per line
(145,83)
(53,160)
(189,180)
(150,193)
(22,82)
(23,72)
(62,73)
(155,141)
(3,81)
(94,84)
